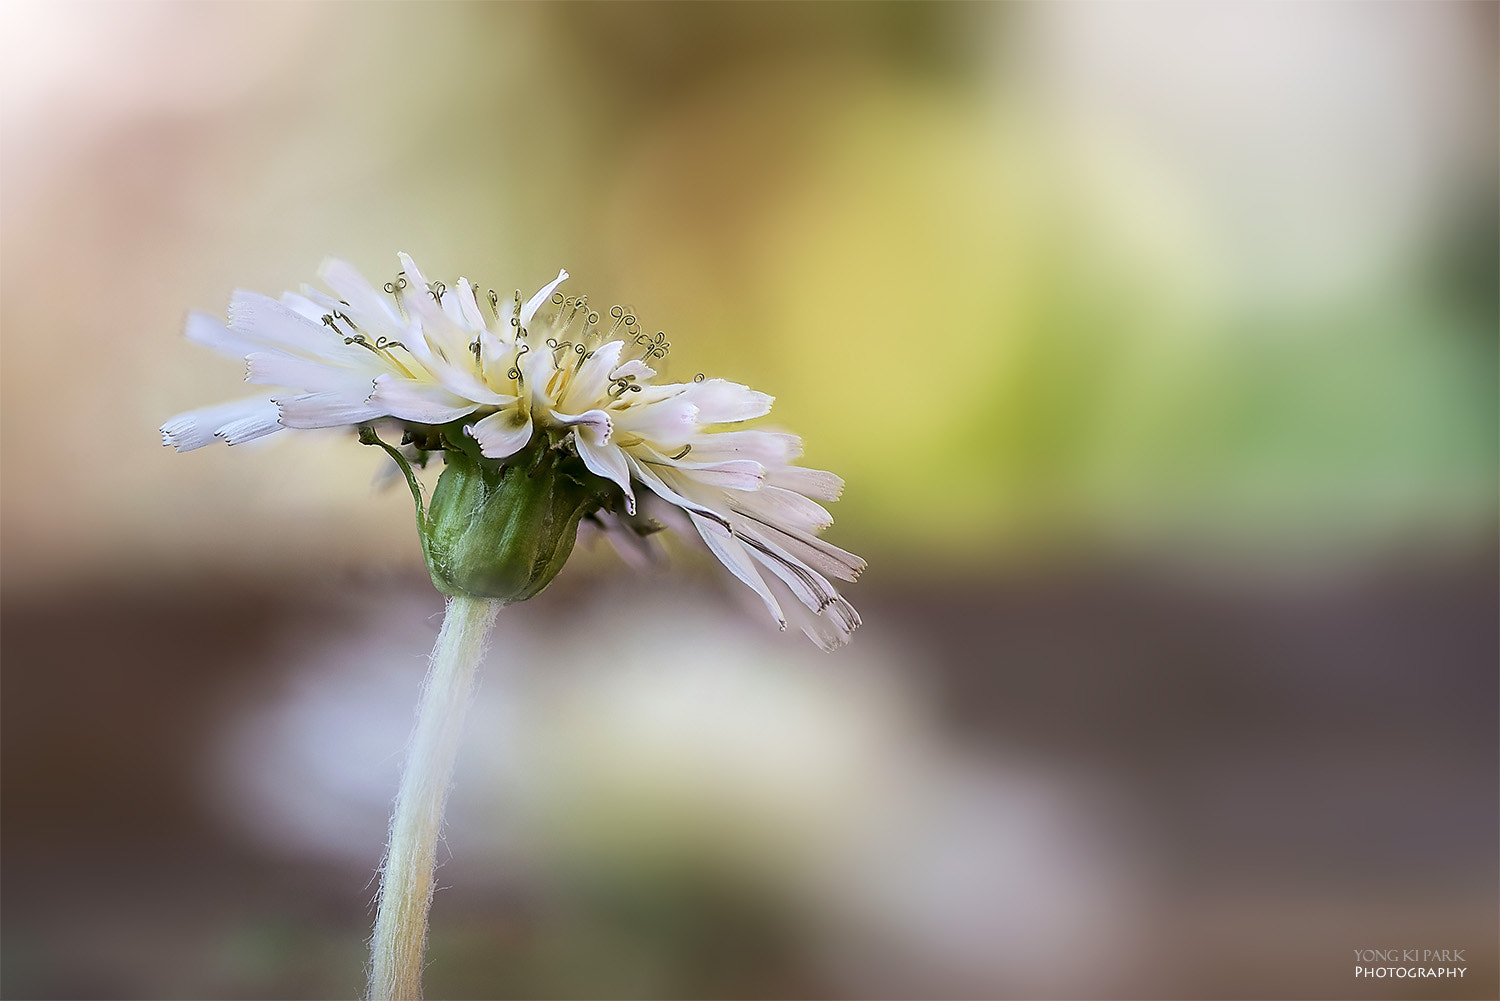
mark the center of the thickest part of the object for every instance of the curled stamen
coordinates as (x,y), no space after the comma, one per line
(494,304)
(514,372)
(618,312)
(561,348)
(330,320)
(398,285)
(382,343)
(698,377)
(656,347)
(436,290)
(623,385)
(681,452)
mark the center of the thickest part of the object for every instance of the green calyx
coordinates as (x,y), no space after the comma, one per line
(500,529)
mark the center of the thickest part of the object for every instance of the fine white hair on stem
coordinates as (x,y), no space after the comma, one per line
(400,939)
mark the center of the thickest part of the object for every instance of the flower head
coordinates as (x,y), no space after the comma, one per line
(546,413)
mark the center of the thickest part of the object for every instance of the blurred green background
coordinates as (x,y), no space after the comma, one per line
(1157,344)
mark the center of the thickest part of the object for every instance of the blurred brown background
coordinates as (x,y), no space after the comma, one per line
(1157,344)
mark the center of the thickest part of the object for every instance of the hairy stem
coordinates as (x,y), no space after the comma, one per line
(400,938)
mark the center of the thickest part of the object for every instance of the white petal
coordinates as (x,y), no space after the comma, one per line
(197,428)
(210,331)
(464,381)
(468,306)
(410,400)
(500,434)
(808,586)
(784,508)
(731,553)
(586,387)
(593,422)
(634,367)
(415,278)
(505,309)
(668,423)
(345,279)
(722,402)
(453,310)
(650,393)
(326,410)
(535,302)
(449,355)
(261,318)
(277,368)
(809,482)
(821,556)
(658,486)
(608,461)
(416,345)
(494,351)
(442,346)
(771,448)
(831,628)
(735,474)
(303,306)
(537,369)
(440,325)
(374,325)
(265,420)
(828,620)
(844,614)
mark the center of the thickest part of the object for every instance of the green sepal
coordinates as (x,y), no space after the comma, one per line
(501,529)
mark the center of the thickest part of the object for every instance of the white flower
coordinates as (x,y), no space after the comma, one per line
(457,361)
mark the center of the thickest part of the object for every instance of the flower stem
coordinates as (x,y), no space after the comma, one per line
(406,878)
